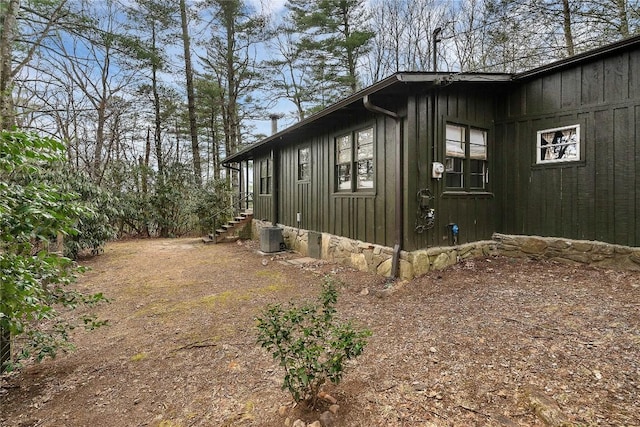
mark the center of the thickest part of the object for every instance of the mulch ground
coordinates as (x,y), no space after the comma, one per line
(488,342)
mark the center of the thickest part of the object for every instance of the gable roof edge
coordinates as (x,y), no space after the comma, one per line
(579,58)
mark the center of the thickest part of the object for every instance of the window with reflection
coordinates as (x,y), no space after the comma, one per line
(355,160)
(265,176)
(304,164)
(465,157)
(558,145)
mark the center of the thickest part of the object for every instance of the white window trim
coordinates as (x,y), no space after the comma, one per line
(539,146)
(355,184)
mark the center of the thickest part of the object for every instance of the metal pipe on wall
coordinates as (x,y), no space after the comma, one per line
(399,200)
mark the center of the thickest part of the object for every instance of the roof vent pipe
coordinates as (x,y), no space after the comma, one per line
(274,123)
(436,33)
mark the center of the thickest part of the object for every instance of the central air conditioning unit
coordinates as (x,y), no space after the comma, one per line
(271,240)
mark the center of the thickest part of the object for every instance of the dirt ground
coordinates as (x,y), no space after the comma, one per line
(489,342)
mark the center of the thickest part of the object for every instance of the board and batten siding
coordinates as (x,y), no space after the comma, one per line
(472,211)
(367,216)
(596,198)
(262,203)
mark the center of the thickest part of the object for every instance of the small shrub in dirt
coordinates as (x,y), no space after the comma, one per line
(310,344)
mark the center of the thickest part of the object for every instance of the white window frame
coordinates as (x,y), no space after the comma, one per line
(461,149)
(567,149)
(357,162)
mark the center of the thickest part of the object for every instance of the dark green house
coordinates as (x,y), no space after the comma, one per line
(422,160)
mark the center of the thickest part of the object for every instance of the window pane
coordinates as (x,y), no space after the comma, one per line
(303,172)
(344,149)
(344,176)
(365,174)
(263,168)
(303,164)
(478,174)
(455,139)
(365,144)
(477,181)
(365,151)
(561,144)
(454,180)
(344,156)
(478,144)
(365,136)
(303,155)
(454,172)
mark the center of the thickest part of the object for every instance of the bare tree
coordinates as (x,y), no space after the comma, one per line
(403,38)
(89,72)
(26,26)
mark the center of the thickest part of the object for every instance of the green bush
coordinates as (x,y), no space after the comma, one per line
(309,343)
(130,184)
(212,207)
(173,200)
(33,282)
(95,223)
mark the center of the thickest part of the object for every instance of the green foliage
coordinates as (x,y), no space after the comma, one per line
(125,182)
(309,343)
(334,34)
(32,280)
(173,200)
(171,205)
(212,206)
(95,222)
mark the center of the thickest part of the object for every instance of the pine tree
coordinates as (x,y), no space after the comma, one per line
(335,34)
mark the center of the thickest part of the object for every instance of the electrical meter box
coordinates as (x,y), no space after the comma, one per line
(271,239)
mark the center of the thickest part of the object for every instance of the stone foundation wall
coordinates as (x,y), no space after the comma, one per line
(377,259)
(586,252)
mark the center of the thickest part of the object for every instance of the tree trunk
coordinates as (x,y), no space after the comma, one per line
(97,156)
(5,348)
(5,339)
(191,104)
(156,106)
(145,164)
(623,17)
(566,24)
(8,12)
